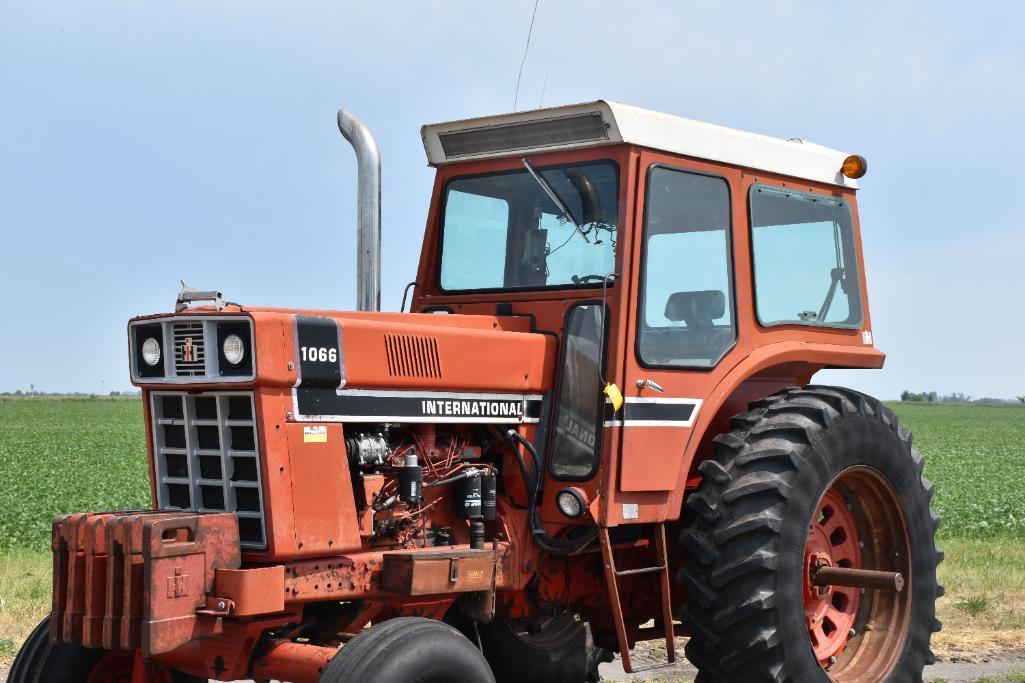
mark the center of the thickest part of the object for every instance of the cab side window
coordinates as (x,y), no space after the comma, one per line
(686,317)
(805,260)
(578,418)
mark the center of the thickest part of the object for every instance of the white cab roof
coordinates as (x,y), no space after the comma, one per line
(607,123)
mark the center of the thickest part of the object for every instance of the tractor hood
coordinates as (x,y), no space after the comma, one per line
(367,366)
(419,367)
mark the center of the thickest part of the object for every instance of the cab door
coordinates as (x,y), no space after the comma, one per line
(682,324)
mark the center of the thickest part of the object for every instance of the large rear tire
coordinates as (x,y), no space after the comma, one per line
(408,650)
(808,477)
(40,661)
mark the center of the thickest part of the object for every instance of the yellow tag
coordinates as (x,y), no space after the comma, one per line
(615,395)
(315,434)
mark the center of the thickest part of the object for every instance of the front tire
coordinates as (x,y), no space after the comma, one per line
(39,660)
(814,475)
(408,650)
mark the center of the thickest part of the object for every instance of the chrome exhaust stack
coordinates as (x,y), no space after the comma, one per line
(368,237)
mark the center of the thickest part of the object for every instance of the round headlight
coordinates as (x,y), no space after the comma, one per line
(234,349)
(571,502)
(151,351)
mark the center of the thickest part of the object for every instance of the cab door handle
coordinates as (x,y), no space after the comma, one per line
(650,384)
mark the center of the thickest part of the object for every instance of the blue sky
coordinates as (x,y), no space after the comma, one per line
(142,143)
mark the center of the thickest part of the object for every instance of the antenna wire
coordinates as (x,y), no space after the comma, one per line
(530,31)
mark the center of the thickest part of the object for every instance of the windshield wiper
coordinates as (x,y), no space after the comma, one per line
(837,276)
(555,198)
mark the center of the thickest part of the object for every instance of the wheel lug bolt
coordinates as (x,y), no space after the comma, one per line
(832,661)
(849,505)
(852,633)
(861,544)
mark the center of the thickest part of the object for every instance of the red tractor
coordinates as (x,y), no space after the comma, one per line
(595,427)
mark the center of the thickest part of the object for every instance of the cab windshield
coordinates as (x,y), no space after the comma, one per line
(505,231)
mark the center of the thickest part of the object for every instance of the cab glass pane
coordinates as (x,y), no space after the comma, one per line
(505,230)
(577,420)
(687,297)
(805,260)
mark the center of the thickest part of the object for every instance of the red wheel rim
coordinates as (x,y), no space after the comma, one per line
(116,667)
(830,611)
(859,522)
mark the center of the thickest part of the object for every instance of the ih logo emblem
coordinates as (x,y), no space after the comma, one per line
(177,584)
(187,350)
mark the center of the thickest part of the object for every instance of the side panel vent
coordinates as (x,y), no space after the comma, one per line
(412,355)
(565,130)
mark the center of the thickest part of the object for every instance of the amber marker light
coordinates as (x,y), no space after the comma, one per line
(854,166)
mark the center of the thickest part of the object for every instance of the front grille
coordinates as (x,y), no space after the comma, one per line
(564,130)
(411,355)
(189,349)
(207,454)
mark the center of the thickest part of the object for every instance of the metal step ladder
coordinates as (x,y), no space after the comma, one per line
(611,576)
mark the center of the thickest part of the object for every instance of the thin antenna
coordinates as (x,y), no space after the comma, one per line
(530,31)
(541,104)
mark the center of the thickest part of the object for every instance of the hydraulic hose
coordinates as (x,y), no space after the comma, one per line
(554,546)
(471,472)
(442,482)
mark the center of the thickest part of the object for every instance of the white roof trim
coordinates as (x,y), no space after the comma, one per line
(664,132)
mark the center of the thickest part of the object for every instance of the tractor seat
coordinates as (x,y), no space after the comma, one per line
(699,341)
(699,310)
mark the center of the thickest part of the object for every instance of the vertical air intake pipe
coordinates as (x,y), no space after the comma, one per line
(368,240)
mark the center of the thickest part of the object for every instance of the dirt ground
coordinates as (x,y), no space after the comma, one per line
(965,667)
(1000,669)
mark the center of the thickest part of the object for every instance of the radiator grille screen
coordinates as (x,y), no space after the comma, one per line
(207,457)
(523,136)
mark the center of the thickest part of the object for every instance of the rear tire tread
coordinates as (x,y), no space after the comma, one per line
(735,532)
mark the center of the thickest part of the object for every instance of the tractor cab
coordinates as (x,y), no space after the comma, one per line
(684,269)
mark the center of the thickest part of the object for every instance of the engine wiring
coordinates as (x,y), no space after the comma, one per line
(442,464)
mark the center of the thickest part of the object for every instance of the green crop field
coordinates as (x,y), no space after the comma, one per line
(67,455)
(61,456)
(975,455)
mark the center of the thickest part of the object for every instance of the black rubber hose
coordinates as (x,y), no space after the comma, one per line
(550,545)
(441,482)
